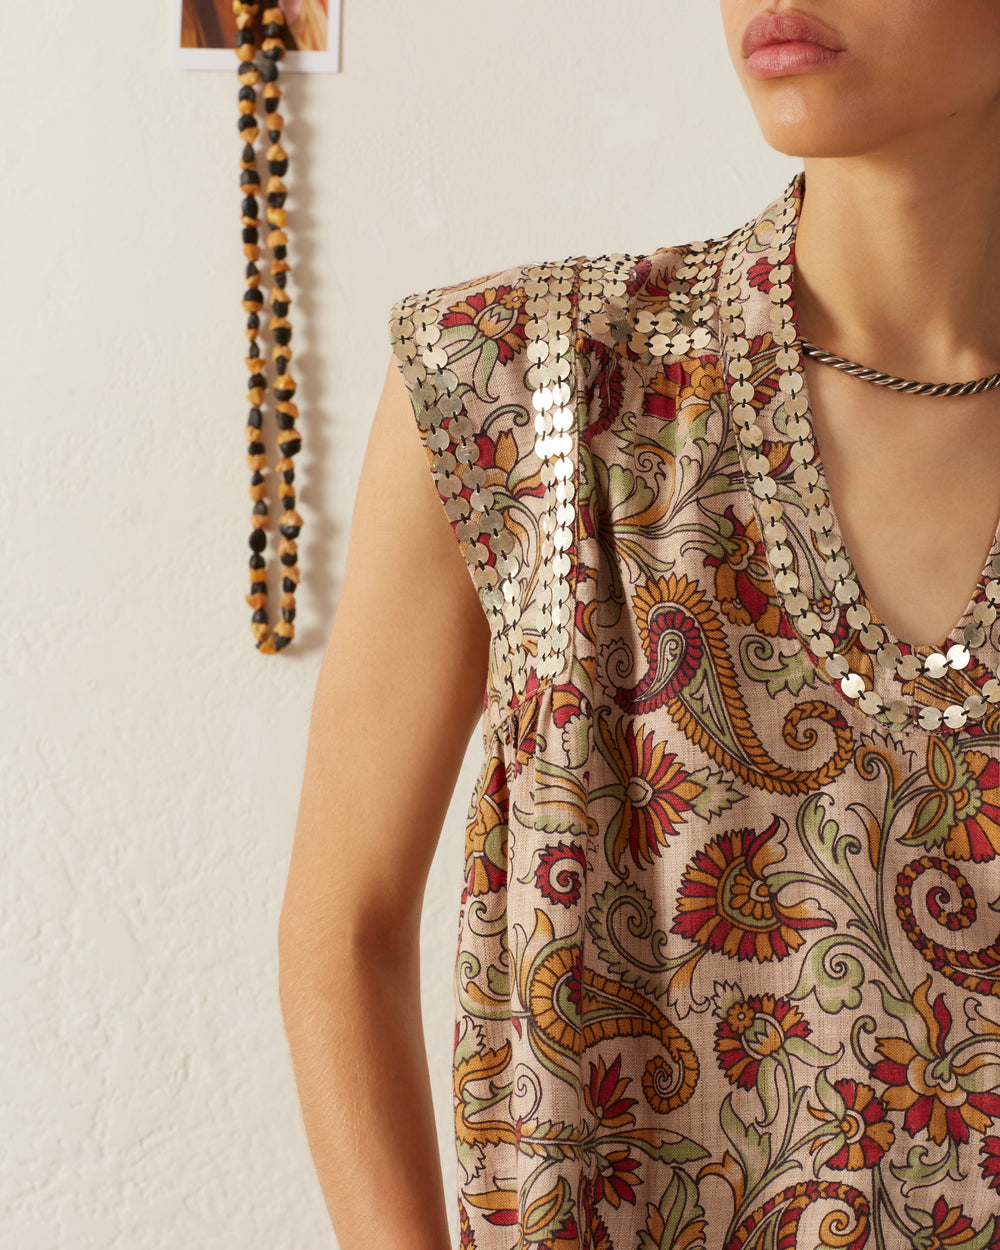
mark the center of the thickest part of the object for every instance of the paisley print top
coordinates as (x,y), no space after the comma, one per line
(728,967)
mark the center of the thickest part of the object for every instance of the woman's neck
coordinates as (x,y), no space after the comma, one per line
(899,268)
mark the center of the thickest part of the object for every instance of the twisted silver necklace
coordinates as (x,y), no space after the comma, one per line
(894,383)
(810,496)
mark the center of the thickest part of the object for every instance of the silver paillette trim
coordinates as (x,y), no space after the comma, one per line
(815,506)
(518,595)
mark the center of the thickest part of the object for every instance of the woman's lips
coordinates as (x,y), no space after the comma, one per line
(774,59)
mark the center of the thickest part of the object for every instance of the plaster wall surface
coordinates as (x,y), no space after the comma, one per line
(151,758)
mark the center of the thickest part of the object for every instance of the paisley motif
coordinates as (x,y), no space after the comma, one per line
(685,649)
(728,959)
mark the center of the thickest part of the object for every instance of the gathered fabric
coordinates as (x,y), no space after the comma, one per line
(728,957)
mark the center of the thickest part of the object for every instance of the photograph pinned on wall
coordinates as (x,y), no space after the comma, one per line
(204,31)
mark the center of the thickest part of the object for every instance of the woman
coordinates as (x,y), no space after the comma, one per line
(728,965)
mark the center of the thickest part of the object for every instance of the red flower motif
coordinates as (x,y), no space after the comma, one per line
(466,1239)
(495,314)
(567,701)
(654,790)
(939,1098)
(565,888)
(950,1226)
(864,1132)
(604,1092)
(526,725)
(743,585)
(990,1166)
(639,276)
(726,904)
(595,1232)
(616,1177)
(606,389)
(660,400)
(752,1029)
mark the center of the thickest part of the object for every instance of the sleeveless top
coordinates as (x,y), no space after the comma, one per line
(728,957)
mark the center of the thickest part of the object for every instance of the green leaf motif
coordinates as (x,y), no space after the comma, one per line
(697,427)
(941,763)
(672,435)
(576,740)
(580,679)
(546,822)
(488,355)
(932,822)
(792,673)
(835,987)
(823,836)
(805,1051)
(902,1009)
(752,1146)
(718,484)
(669,1223)
(470,1157)
(920,1170)
(683,1150)
(829,1097)
(546,1137)
(624,486)
(626,903)
(716,797)
(767,1089)
(498,979)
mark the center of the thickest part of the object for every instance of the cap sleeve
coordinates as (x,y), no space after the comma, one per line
(490,366)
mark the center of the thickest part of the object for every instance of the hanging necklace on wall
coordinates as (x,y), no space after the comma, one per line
(290,523)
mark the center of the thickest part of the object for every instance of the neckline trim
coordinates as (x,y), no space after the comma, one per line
(819,589)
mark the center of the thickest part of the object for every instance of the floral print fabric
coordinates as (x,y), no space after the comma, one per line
(728,966)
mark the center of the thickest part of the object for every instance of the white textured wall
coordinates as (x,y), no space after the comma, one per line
(151,757)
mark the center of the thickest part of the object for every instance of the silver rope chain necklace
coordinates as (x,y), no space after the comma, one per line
(897,384)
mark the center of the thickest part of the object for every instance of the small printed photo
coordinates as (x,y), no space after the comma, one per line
(206,29)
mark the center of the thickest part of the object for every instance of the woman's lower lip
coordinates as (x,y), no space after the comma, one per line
(788,58)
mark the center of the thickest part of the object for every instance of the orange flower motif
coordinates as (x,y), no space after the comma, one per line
(654,790)
(945,1227)
(617,1178)
(486,835)
(604,1094)
(752,1029)
(961,814)
(863,1133)
(495,314)
(938,1096)
(726,904)
(743,585)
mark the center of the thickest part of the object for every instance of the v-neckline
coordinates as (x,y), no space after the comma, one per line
(986,572)
(752,246)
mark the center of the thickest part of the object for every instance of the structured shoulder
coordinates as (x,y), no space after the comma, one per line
(491,370)
(652,305)
(497,368)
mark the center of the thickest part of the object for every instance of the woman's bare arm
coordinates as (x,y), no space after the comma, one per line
(399,694)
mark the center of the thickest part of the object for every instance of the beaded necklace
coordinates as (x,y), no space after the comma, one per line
(815,504)
(290,523)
